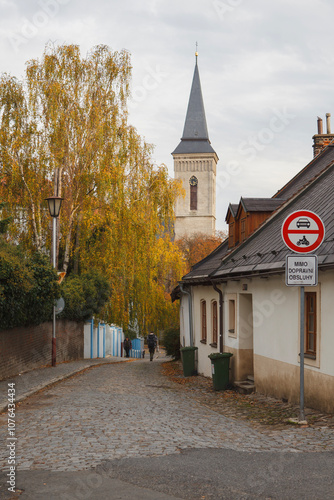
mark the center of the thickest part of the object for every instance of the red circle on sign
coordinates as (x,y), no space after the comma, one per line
(303,231)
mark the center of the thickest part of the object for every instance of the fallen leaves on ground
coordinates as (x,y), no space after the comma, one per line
(256,408)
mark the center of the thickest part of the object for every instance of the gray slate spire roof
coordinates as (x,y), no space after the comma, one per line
(195,137)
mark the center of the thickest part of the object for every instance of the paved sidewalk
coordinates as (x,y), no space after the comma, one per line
(33,381)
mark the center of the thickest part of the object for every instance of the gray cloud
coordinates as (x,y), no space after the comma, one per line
(255,57)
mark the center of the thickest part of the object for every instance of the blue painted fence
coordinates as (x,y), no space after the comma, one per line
(102,340)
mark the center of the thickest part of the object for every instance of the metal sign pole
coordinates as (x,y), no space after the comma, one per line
(302,320)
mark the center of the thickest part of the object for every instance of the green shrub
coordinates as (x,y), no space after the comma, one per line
(44,290)
(171,342)
(28,288)
(84,295)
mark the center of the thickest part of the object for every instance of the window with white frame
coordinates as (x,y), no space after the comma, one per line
(231,316)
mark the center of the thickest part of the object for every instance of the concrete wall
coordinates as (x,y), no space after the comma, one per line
(281,380)
(23,349)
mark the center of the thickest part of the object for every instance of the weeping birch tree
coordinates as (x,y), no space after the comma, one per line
(64,130)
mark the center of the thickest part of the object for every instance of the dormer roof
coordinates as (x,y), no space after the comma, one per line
(260,204)
(232,210)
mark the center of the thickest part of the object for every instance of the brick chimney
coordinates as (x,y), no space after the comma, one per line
(321,140)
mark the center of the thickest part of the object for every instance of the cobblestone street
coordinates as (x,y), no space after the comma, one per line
(131,409)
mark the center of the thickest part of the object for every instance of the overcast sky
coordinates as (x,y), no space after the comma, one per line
(266,69)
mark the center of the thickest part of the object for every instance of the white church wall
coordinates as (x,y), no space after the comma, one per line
(203,219)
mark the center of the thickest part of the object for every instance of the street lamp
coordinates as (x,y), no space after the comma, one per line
(54,208)
(54,205)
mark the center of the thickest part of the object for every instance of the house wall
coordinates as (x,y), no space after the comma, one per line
(327,322)
(23,349)
(266,338)
(239,343)
(208,294)
(184,321)
(277,343)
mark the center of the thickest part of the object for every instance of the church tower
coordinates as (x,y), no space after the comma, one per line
(195,163)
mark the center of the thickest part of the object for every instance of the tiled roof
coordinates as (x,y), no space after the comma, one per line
(195,137)
(260,204)
(233,208)
(265,251)
(190,146)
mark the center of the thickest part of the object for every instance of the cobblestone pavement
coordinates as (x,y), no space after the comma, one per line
(129,410)
(259,410)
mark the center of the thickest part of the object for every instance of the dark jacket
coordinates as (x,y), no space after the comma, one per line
(151,341)
(127,344)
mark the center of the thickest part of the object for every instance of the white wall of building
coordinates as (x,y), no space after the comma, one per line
(327,323)
(267,336)
(208,294)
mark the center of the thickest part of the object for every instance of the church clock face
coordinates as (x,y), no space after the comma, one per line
(193,181)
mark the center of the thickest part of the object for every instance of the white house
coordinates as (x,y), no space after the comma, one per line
(236,299)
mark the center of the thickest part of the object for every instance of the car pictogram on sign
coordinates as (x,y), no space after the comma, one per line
(303,222)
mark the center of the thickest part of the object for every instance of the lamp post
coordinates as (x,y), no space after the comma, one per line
(54,208)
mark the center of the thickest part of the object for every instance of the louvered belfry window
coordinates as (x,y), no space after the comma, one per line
(193,197)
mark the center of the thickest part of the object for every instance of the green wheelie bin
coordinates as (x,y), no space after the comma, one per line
(220,366)
(188,361)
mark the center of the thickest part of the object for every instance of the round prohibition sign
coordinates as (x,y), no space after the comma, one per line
(303,231)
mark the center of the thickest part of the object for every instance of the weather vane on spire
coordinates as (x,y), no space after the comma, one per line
(196,53)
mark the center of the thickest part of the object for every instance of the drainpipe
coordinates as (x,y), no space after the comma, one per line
(221,318)
(185,292)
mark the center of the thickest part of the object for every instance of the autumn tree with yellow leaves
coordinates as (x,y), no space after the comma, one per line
(64,130)
(197,246)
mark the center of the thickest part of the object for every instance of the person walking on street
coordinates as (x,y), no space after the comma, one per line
(151,344)
(127,346)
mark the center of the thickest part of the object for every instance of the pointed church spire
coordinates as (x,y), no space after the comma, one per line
(195,137)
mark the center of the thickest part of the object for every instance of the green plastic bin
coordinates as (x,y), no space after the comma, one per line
(220,366)
(189,361)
